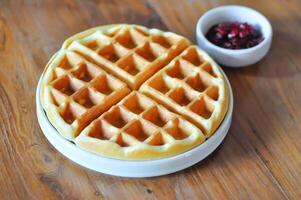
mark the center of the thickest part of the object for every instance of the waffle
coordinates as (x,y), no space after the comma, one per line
(131,53)
(128,92)
(193,86)
(139,128)
(75,92)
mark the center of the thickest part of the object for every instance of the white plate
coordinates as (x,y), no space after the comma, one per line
(144,168)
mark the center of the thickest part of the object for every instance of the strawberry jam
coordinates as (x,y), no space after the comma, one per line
(234,35)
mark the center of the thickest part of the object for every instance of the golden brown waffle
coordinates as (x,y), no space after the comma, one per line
(193,86)
(131,53)
(93,71)
(75,92)
(139,128)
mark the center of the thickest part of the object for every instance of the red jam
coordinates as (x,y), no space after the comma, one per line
(234,35)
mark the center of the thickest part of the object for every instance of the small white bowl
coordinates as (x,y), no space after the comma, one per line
(229,57)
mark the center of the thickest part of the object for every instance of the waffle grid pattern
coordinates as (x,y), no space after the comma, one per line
(86,92)
(81,90)
(132,54)
(139,121)
(190,86)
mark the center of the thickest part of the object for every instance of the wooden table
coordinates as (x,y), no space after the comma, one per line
(259,159)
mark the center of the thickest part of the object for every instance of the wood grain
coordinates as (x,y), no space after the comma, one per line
(259,159)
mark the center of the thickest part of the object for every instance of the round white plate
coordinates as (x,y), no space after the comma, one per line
(144,168)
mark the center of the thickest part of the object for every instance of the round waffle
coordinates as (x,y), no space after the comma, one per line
(128,92)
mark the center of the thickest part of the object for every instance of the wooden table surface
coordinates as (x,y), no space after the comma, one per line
(259,159)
